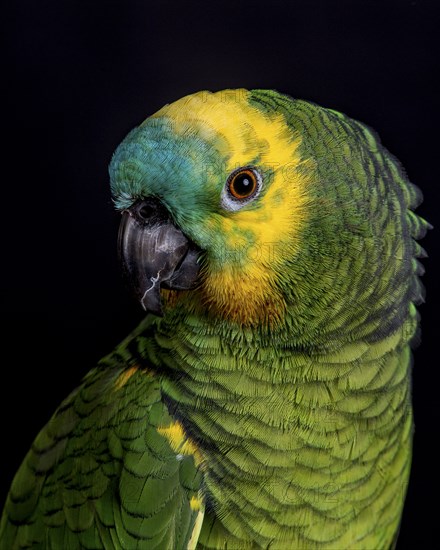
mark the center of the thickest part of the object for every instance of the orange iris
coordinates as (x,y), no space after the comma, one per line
(243,183)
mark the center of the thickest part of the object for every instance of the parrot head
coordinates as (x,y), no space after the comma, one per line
(201,188)
(256,213)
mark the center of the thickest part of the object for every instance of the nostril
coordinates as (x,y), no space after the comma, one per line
(149,211)
(146,211)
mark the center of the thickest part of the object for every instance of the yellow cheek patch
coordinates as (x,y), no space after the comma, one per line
(239,282)
(179,441)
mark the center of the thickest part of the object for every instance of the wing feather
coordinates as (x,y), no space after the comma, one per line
(100,475)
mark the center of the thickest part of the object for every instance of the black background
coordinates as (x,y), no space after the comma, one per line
(79,75)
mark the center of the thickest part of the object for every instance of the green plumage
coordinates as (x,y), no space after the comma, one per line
(286,429)
(84,485)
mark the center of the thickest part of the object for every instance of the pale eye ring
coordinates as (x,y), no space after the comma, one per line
(242,186)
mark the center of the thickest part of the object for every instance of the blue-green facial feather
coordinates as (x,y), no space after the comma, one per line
(154,161)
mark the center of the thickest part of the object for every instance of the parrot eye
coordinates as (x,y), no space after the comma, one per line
(242,186)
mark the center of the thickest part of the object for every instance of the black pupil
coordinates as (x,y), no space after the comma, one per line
(243,184)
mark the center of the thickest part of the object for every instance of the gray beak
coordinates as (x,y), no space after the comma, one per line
(155,253)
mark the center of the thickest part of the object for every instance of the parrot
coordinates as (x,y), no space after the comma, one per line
(264,401)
